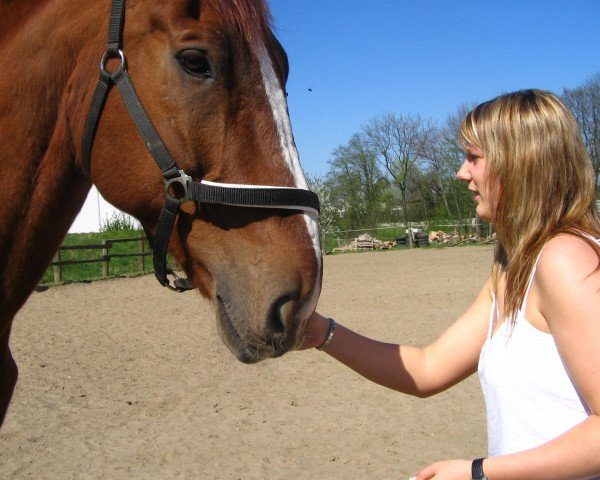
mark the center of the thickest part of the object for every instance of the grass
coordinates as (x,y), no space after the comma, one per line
(118,266)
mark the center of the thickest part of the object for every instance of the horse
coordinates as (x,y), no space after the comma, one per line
(195,142)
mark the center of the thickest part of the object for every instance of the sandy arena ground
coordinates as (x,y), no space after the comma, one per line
(123,379)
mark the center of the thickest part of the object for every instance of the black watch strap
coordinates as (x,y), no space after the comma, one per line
(477,469)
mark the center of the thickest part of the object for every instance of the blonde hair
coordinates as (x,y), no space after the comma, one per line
(543,176)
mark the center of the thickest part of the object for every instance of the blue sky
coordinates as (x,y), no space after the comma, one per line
(366,57)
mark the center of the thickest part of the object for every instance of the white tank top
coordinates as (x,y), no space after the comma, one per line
(529,395)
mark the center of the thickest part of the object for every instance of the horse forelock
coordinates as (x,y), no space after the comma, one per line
(249,18)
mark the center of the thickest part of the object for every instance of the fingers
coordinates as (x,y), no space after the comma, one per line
(315,331)
(426,473)
(447,470)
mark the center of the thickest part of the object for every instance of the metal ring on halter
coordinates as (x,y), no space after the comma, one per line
(180,187)
(107,56)
(174,286)
(179,284)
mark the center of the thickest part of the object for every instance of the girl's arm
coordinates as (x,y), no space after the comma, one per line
(416,371)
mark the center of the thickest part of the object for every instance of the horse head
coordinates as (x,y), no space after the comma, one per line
(211,76)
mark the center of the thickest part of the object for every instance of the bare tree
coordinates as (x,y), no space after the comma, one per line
(446,158)
(438,158)
(400,143)
(584,102)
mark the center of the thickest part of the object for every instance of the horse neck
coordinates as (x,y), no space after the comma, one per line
(41,190)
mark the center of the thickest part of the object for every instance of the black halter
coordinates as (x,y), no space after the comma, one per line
(175,180)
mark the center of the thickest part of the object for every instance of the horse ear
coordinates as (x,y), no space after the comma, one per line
(193,8)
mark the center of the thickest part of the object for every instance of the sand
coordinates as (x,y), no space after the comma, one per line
(123,379)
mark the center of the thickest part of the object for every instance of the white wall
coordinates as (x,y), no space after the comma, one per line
(94,213)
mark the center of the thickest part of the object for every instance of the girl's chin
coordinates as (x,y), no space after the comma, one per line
(484,215)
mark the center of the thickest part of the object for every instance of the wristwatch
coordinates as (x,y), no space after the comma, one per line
(477,469)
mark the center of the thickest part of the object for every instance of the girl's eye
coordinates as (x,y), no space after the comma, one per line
(195,63)
(472,156)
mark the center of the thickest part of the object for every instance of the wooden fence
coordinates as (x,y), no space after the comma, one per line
(105,257)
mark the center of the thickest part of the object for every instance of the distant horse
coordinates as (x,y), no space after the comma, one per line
(194,141)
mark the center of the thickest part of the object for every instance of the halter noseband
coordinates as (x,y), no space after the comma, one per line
(175,180)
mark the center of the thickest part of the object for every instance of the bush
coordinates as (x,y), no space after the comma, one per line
(119,222)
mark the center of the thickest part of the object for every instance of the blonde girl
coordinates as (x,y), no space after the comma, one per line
(533,332)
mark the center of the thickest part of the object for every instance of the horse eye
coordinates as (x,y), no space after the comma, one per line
(195,63)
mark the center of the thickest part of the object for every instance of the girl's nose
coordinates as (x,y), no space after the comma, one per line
(463,172)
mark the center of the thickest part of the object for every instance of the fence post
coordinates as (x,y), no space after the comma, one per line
(106,258)
(57,268)
(455,237)
(142,250)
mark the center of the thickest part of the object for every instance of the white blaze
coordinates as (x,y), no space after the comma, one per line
(278,103)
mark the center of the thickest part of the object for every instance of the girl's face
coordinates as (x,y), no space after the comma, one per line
(474,172)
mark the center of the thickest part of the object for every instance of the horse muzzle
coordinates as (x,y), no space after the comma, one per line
(266,329)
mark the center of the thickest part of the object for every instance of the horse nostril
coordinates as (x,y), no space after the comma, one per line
(281,315)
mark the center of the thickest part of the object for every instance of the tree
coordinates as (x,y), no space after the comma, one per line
(329,217)
(426,194)
(445,158)
(584,102)
(399,143)
(357,183)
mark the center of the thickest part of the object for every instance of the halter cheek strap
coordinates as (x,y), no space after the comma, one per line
(175,180)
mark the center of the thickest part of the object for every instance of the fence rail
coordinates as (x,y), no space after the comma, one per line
(335,240)
(330,241)
(105,258)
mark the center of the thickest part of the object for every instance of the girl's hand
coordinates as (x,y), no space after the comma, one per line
(447,470)
(315,332)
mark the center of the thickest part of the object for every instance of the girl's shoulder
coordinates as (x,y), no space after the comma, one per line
(569,256)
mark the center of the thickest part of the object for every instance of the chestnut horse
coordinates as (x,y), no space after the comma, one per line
(210,78)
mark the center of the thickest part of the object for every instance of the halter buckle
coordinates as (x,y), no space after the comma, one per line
(180,187)
(179,284)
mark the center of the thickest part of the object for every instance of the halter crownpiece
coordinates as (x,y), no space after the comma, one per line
(179,187)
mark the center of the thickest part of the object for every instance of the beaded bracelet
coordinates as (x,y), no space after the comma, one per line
(327,341)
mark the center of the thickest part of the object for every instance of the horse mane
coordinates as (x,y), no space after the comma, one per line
(14,13)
